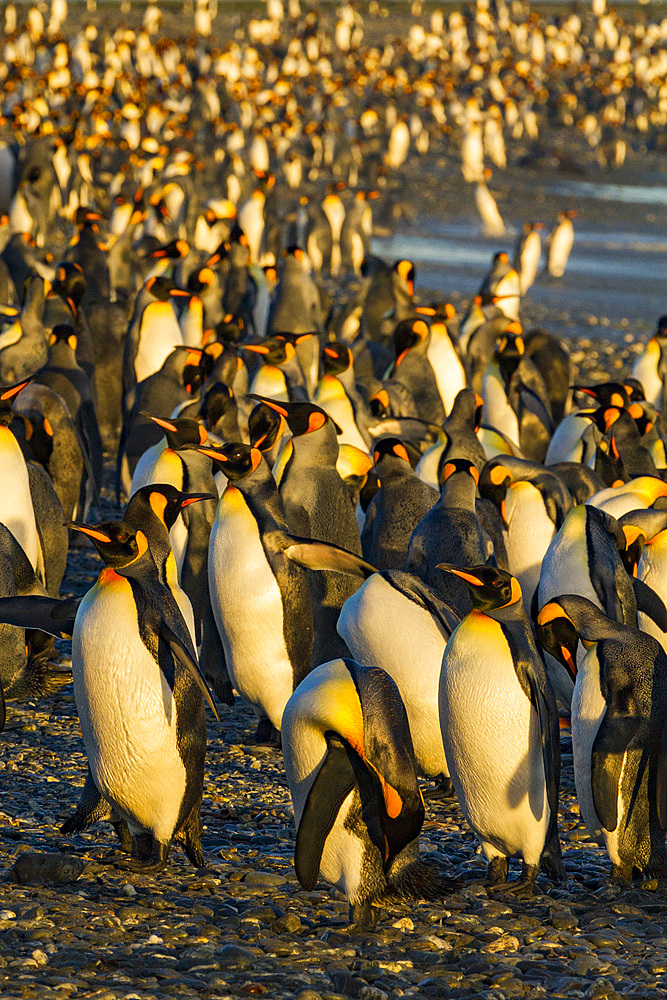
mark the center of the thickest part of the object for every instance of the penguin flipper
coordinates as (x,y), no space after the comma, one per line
(650,603)
(90,809)
(46,614)
(311,554)
(334,782)
(184,656)
(610,746)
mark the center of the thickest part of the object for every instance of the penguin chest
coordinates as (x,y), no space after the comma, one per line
(127,711)
(527,540)
(588,709)
(248,607)
(497,411)
(652,569)
(384,628)
(159,334)
(492,741)
(349,860)
(645,369)
(448,370)
(16,509)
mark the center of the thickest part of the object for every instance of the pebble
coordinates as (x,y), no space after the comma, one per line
(57,868)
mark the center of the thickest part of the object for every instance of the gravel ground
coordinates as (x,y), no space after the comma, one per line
(243,926)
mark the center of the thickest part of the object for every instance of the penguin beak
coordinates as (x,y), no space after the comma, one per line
(98,536)
(195,498)
(165,424)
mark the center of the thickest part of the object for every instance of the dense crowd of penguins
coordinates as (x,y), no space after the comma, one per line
(399,532)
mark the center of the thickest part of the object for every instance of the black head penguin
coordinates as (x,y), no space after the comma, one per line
(357,805)
(494,694)
(459,438)
(219,412)
(516,401)
(261,600)
(533,503)
(153,781)
(414,371)
(279,373)
(317,505)
(398,506)
(266,428)
(552,361)
(650,367)
(450,531)
(619,731)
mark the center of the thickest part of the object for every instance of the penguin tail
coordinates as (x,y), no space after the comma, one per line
(92,808)
(422,879)
(190,836)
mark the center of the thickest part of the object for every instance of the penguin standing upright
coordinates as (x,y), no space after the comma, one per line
(506,777)
(619,731)
(138,691)
(527,254)
(561,239)
(357,805)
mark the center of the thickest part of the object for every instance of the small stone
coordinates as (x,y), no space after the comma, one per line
(264,878)
(372,993)
(234,957)
(56,868)
(404,924)
(506,942)
(128,889)
(308,995)
(40,957)
(290,923)
(7,915)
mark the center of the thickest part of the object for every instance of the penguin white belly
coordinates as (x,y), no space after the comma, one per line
(652,569)
(617,502)
(127,711)
(497,411)
(427,467)
(530,260)
(492,742)
(565,570)
(343,854)
(645,369)
(143,471)
(565,443)
(530,533)
(559,249)
(16,509)
(178,536)
(269,381)
(339,408)
(447,368)
(159,335)
(588,709)
(384,628)
(248,609)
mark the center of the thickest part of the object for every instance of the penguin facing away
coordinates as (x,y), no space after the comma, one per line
(506,777)
(357,805)
(619,731)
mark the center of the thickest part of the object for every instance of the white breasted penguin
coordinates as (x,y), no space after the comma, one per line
(561,239)
(393,621)
(651,366)
(619,731)
(357,805)
(586,557)
(154,331)
(140,699)
(533,503)
(260,596)
(500,730)
(527,254)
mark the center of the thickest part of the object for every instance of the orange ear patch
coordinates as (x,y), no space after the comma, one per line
(400,451)
(315,421)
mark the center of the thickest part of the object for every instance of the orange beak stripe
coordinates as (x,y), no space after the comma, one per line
(85,530)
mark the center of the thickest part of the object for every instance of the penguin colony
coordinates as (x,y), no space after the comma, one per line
(399,533)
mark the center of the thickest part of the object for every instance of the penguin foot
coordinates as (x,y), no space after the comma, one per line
(363,916)
(496,872)
(521,888)
(442,792)
(148,855)
(265,735)
(621,876)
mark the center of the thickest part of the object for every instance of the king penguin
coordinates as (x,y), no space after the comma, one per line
(357,805)
(619,731)
(506,776)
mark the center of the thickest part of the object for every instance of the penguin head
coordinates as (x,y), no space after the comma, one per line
(405,272)
(494,483)
(63,333)
(218,401)
(557,634)
(635,539)
(409,333)
(87,218)
(606,393)
(510,348)
(272,351)
(163,500)
(459,468)
(302,418)
(181,431)
(634,389)
(336,358)
(393,448)
(69,284)
(163,288)
(7,394)
(265,427)
(175,250)
(118,545)
(236,459)
(230,329)
(490,588)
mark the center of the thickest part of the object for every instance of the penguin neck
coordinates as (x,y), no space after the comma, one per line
(458,491)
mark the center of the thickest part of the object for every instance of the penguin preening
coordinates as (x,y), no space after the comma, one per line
(357,805)
(619,731)
(506,778)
